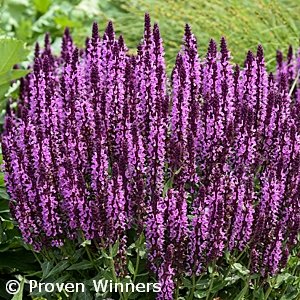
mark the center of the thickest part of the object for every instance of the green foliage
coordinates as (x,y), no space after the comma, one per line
(231,280)
(29,20)
(12,52)
(244,23)
(19,294)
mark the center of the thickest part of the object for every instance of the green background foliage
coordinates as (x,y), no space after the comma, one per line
(12,52)
(245,24)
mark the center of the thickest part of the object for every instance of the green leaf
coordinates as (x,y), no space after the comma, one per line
(12,52)
(142,278)
(130,267)
(91,281)
(4,205)
(3,194)
(12,75)
(46,267)
(241,269)
(291,294)
(210,269)
(1,233)
(84,265)
(242,293)
(134,295)
(200,294)
(218,286)
(78,254)
(19,294)
(203,284)
(10,243)
(178,171)
(85,295)
(283,278)
(63,21)
(168,185)
(107,275)
(61,266)
(186,282)
(86,243)
(297,281)
(227,255)
(115,249)
(62,279)
(5,216)
(254,276)
(126,279)
(293,261)
(11,259)
(2,184)
(104,254)
(42,5)
(259,294)
(89,6)
(3,90)
(232,280)
(134,226)
(14,10)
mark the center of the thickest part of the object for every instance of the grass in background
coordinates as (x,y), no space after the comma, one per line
(245,23)
(273,23)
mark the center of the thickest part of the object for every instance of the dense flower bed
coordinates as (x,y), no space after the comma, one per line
(204,164)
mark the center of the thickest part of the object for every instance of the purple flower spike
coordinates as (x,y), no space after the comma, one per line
(102,144)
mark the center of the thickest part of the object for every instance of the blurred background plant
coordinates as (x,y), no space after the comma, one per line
(245,24)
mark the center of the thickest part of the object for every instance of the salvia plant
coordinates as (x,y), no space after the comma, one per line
(117,172)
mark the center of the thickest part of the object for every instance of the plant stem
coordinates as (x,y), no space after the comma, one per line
(53,257)
(46,255)
(112,265)
(199,278)
(193,288)
(90,258)
(242,253)
(212,280)
(37,258)
(88,252)
(286,287)
(191,296)
(227,271)
(268,292)
(246,290)
(137,259)
(294,84)
(249,263)
(97,246)
(244,250)
(177,289)
(270,288)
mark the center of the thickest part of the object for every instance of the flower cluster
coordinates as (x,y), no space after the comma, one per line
(204,162)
